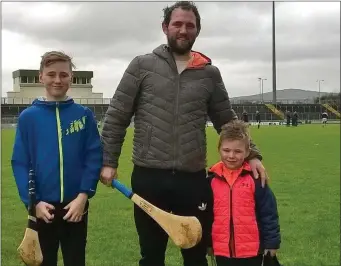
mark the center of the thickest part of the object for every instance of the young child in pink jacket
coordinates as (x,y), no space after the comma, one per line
(245,219)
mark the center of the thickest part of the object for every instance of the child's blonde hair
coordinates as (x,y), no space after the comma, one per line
(235,130)
(55,56)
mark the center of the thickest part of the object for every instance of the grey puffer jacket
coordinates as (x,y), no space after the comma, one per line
(170,112)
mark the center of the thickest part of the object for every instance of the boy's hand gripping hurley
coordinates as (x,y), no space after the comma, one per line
(29,249)
(185,231)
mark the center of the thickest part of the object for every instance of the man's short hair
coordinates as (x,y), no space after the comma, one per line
(185,5)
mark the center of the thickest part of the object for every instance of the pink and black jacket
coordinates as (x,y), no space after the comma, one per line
(245,217)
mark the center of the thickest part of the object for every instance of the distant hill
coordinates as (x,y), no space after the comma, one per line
(283,95)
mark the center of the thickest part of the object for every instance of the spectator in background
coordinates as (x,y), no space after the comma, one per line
(295,119)
(258,118)
(324,118)
(245,117)
(288,118)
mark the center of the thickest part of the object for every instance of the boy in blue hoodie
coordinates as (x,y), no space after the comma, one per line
(58,139)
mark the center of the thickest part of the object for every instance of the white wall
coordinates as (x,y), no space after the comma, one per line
(25,93)
(16,84)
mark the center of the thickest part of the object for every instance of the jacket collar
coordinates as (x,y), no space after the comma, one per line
(199,60)
(217,170)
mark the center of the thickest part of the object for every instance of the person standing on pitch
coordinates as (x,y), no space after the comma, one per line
(295,119)
(58,139)
(288,118)
(170,92)
(258,118)
(245,217)
(324,118)
(245,116)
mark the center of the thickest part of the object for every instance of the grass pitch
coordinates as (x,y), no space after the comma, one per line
(304,167)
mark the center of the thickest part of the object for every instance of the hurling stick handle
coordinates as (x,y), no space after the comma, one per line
(122,188)
(142,203)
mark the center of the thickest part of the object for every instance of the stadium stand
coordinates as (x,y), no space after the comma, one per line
(306,112)
(26,86)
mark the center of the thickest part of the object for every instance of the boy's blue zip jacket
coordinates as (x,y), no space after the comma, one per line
(61,143)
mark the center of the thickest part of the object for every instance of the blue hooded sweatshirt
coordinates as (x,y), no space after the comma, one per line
(61,143)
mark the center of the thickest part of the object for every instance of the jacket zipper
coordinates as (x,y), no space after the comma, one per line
(232,244)
(60,146)
(175,124)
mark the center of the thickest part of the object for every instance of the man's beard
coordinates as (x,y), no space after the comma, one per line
(180,49)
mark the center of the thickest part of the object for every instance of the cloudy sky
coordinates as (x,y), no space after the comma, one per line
(237,36)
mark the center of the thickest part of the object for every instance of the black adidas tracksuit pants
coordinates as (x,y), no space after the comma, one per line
(72,238)
(181,193)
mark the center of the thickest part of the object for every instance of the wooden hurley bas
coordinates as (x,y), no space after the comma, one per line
(29,249)
(185,231)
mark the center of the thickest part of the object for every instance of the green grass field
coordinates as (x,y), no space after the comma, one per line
(304,167)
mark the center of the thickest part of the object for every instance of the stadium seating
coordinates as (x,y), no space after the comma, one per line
(310,112)
(306,111)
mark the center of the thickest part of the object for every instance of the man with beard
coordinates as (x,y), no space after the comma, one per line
(170,92)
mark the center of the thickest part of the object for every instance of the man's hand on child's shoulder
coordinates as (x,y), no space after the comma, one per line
(258,169)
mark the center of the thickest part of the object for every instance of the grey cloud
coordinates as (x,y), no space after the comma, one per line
(121,30)
(101,23)
(317,37)
(242,79)
(120,51)
(234,18)
(237,36)
(235,30)
(287,49)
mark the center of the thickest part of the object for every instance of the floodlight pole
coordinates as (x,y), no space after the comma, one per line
(274,97)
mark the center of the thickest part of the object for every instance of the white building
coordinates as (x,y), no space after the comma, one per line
(26,87)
